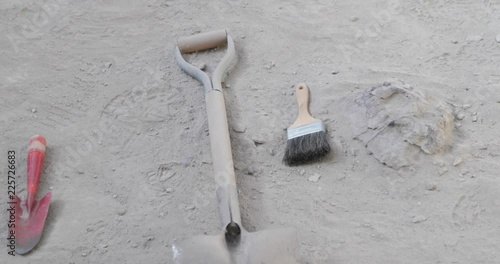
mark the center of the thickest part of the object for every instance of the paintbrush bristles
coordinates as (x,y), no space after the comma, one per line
(307,148)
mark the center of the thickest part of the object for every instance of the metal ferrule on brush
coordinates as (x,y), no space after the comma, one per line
(299,131)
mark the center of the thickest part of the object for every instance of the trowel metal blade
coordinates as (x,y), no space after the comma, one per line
(29,225)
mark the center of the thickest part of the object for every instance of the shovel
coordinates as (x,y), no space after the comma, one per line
(233,245)
(30,213)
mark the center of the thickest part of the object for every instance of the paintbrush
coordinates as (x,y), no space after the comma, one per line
(307,138)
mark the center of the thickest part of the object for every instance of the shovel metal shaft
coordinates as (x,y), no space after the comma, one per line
(222,159)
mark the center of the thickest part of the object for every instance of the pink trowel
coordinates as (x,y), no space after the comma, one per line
(30,213)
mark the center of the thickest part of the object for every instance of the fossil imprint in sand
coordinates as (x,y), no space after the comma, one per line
(396,122)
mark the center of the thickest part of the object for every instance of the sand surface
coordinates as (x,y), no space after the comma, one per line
(128,159)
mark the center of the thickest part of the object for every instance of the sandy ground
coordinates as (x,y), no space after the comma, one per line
(128,159)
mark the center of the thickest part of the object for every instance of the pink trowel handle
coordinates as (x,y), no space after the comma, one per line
(36,155)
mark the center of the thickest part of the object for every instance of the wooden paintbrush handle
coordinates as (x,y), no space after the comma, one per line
(302,94)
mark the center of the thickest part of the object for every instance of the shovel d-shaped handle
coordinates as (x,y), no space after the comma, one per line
(202,41)
(36,155)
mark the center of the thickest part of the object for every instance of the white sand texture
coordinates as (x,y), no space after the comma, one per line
(409,92)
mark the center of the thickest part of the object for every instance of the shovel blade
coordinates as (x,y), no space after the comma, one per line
(29,225)
(201,250)
(275,246)
(272,246)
